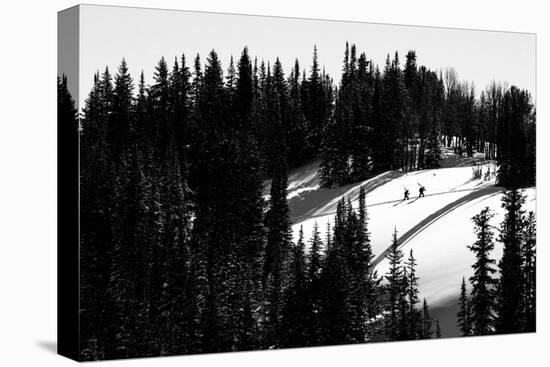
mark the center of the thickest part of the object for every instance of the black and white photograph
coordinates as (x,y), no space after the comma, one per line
(256,183)
(279,183)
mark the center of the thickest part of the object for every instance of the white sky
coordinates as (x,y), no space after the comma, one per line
(142,36)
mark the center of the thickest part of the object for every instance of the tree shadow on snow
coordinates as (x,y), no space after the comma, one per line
(317,203)
(430,219)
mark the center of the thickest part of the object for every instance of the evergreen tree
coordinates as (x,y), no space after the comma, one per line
(356,245)
(509,290)
(173,254)
(315,254)
(413,315)
(248,206)
(180,100)
(277,217)
(328,237)
(96,237)
(243,91)
(67,113)
(426,331)
(361,104)
(314,273)
(463,314)
(297,308)
(196,84)
(403,330)
(529,271)
(231,79)
(483,283)
(515,140)
(316,103)
(416,103)
(160,103)
(394,289)
(433,154)
(212,232)
(121,121)
(393,127)
(336,146)
(335,304)
(299,148)
(141,112)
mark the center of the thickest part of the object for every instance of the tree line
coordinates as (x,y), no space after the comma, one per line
(180,251)
(397,118)
(501,299)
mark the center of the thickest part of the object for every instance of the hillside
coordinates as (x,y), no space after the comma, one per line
(437,227)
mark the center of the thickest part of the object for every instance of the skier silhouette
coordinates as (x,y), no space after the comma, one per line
(406,197)
(421,190)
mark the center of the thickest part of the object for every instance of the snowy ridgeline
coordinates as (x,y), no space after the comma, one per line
(437,227)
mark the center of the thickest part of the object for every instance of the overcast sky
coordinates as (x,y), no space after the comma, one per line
(142,36)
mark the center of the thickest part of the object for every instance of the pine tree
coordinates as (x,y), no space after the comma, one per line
(356,245)
(314,254)
(515,140)
(97,186)
(413,316)
(403,331)
(394,278)
(426,331)
(335,320)
(437,329)
(316,102)
(314,273)
(67,113)
(121,121)
(377,124)
(141,112)
(180,101)
(463,314)
(410,76)
(297,307)
(392,128)
(244,91)
(91,280)
(248,207)
(231,80)
(335,152)
(509,290)
(174,253)
(368,275)
(361,104)
(277,217)
(328,237)
(433,154)
(197,82)
(416,100)
(212,231)
(529,271)
(160,101)
(299,148)
(483,283)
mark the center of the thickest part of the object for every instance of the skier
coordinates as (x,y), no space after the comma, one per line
(421,190)
(406,194)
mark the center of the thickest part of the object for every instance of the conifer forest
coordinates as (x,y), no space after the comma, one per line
(194,238)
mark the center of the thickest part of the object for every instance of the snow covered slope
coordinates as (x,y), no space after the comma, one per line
(437,227)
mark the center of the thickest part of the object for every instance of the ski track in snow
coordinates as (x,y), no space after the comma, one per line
(437,227)
(429,220)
